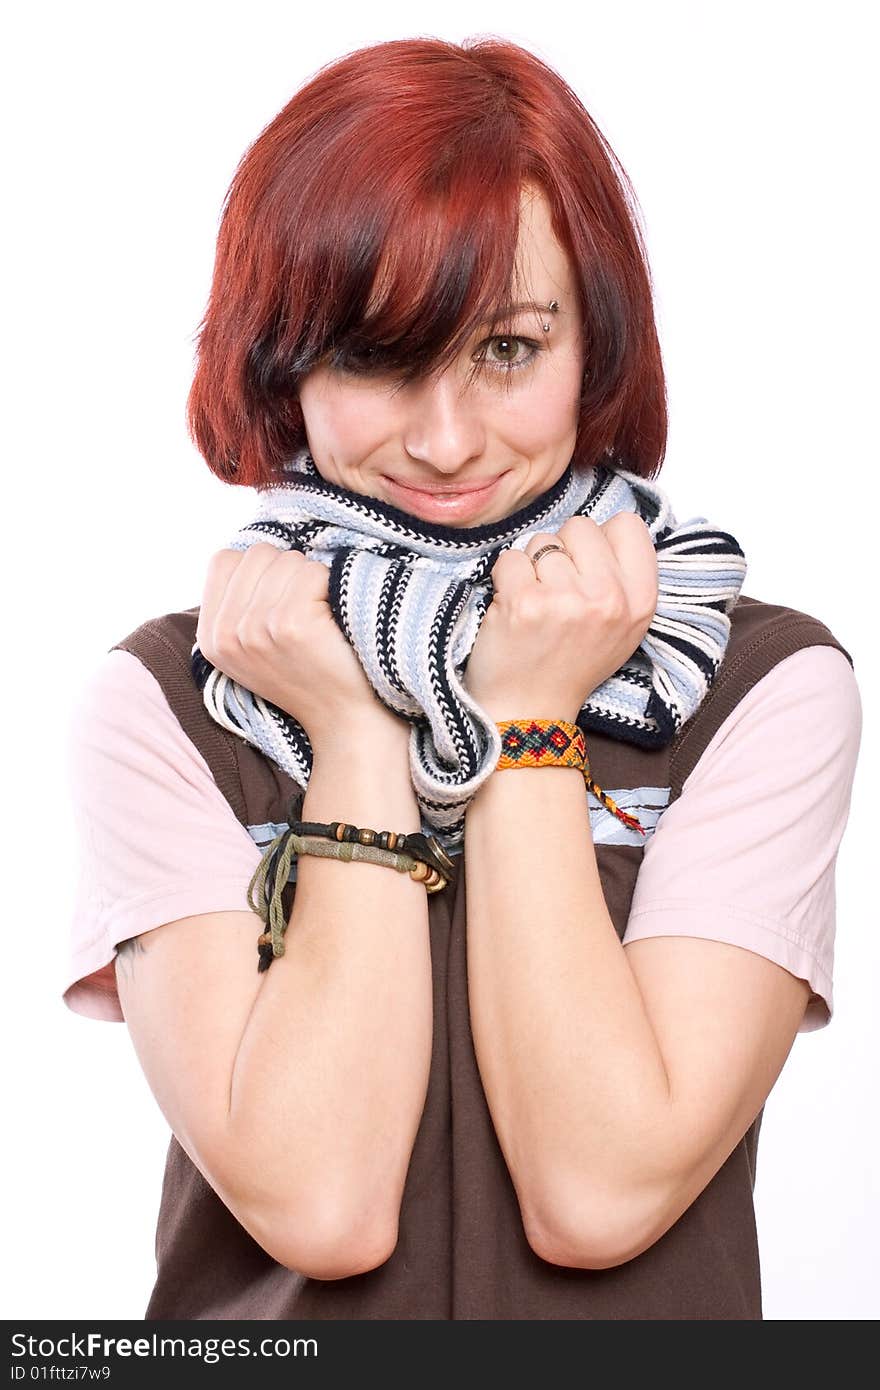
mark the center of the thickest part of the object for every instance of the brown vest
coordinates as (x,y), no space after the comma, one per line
(462,1252)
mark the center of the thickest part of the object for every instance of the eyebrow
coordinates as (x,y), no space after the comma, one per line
(509,309)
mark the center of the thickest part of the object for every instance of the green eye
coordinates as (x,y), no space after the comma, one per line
(508,341)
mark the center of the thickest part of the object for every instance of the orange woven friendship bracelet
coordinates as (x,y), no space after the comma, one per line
(554,743)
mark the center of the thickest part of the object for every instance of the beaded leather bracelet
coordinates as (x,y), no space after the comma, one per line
(425,848)
(421,856)
(554,743)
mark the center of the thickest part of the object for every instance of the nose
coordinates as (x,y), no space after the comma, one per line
(443,428)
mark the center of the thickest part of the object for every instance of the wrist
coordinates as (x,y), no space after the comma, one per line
(365,784)
(367,736)
(500,711)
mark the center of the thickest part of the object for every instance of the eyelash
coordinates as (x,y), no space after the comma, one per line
(352,366)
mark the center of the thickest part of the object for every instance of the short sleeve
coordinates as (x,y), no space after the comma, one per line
(156,838)
(747,853)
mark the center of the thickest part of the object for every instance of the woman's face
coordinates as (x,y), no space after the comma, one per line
(461,452)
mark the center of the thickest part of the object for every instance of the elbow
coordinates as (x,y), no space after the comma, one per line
(330,1228)
(327,1241)
(589,1233)
(337,1252)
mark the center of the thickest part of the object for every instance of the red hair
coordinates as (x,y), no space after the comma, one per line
(400,167)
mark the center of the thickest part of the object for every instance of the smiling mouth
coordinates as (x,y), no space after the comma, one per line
(446,491)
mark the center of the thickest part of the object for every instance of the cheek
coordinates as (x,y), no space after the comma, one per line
(543,415)
(341,420)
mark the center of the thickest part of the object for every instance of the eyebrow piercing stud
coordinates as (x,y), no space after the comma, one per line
(553,306)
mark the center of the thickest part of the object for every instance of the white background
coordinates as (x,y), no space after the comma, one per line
(750,137)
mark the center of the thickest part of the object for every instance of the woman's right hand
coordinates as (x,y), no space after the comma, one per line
(265,620)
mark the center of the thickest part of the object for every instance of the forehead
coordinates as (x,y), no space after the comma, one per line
(543,264)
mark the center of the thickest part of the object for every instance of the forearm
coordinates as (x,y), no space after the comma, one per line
(575,1080)
(330,1077)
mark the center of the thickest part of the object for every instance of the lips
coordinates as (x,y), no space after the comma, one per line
(437,490)
(439,504)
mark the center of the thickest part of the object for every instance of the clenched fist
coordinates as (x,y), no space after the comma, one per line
(555,631)
(265,620)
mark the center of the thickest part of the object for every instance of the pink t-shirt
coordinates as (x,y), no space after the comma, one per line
(746,854)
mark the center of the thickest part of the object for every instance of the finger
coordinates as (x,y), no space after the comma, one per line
(305,580)
(315,577)
(273,585)
(630,541)
(556,568)
(511,572)
(243,581)
(588,564)
(221,567)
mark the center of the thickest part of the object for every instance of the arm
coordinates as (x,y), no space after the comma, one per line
(298,1092)
(619,1079)
(621,1076)
(329,1078)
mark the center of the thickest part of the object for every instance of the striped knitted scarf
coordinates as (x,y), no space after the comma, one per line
(410,595)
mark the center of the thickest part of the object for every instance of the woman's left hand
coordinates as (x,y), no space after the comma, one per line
(555,631)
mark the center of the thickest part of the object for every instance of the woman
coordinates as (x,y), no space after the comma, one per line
(522,1076)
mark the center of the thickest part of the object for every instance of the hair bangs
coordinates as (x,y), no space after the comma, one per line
(443,272)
